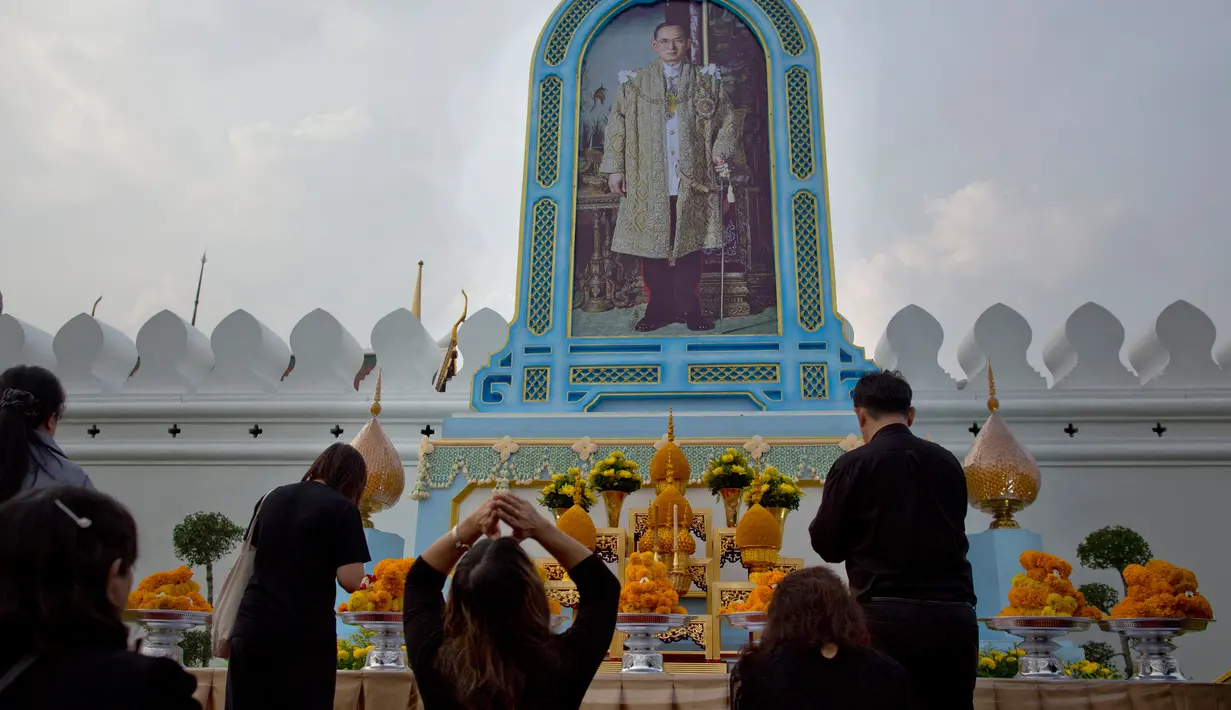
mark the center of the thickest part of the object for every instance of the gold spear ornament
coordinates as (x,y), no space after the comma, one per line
(449,368)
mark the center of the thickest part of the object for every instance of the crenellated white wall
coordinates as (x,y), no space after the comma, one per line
(1149,448)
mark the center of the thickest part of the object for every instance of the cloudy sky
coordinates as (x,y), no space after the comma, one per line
(1041,154)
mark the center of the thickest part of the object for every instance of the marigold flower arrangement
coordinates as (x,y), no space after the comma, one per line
(382,590)
(616,472)
(1045,589)
(774,490)
(760,597)
(994,663)
(172,590)
(553,606)
(1161,590)
(728,470)
(563,489)
(646,589)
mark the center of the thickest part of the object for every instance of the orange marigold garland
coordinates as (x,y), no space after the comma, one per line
(172,590)
(1045,589)
(382,590)
(1161,590)
(760,597)
(646,589)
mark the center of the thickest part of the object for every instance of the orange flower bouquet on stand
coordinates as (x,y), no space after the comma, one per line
(169,591)
(649,607)
(1045,589)
(165,605)
(381,591)
(1043,606)
(1160,590)
(646,589)
(1162,603)
(377,607)
(758,600)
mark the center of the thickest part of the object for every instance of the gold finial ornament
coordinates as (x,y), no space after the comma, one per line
(375,408)
(669,461)
(993,404)
(1002,477)
(386,475)
(449,368)
(416,305)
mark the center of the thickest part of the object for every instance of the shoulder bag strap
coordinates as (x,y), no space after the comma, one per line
(252,523)
(18,668)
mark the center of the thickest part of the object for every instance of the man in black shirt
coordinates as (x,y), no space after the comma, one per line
(894,510)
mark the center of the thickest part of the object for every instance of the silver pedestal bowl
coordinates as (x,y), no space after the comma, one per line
(164,630)
(1152,639)
(641,653)
(387,638)
(1038,635)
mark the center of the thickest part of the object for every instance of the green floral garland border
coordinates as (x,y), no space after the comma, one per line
(441,462)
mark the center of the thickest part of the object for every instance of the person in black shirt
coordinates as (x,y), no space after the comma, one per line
(66,568)
(816,653)
(307,535)
(894,510)
(491,647)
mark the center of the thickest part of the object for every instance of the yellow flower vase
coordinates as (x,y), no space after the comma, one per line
(780,515)
(731,498)
(613,501)
(558,512)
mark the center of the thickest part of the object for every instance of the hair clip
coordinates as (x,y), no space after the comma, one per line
(20,400)
(81,522)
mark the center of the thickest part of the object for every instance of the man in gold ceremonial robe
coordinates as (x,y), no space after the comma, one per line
(670,132)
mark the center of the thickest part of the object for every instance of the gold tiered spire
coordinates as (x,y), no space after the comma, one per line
(416,305)
(670,458)
(1002,477)
(386,475)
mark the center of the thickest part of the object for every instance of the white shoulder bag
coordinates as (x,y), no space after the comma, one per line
(227,607)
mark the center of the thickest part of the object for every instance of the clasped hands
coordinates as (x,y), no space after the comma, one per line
(514,511)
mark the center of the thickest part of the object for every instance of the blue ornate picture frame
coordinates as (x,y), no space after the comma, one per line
(809,365)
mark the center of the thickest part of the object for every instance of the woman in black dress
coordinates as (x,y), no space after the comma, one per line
(491,647)
(308,538)
(816,653)
(66,568)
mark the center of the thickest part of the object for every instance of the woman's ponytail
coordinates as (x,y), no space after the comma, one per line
(29,397)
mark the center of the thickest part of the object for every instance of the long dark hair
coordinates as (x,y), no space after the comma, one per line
(342,468)
(53,589)
(811,608)
(29,397)
(496,625)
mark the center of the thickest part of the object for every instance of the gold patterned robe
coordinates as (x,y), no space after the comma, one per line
(635,145)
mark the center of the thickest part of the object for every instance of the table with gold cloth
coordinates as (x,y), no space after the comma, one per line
(364,690)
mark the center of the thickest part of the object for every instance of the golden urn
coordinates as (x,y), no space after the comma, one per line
(1002,477)
(576,521)
(386,475)
(669,465)
(759,538)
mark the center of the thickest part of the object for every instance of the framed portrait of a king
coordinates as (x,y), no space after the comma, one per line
(674,226)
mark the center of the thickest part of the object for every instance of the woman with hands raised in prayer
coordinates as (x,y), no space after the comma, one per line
(491,645)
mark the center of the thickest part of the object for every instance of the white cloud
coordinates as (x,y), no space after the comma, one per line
(981,244)
(334,126)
